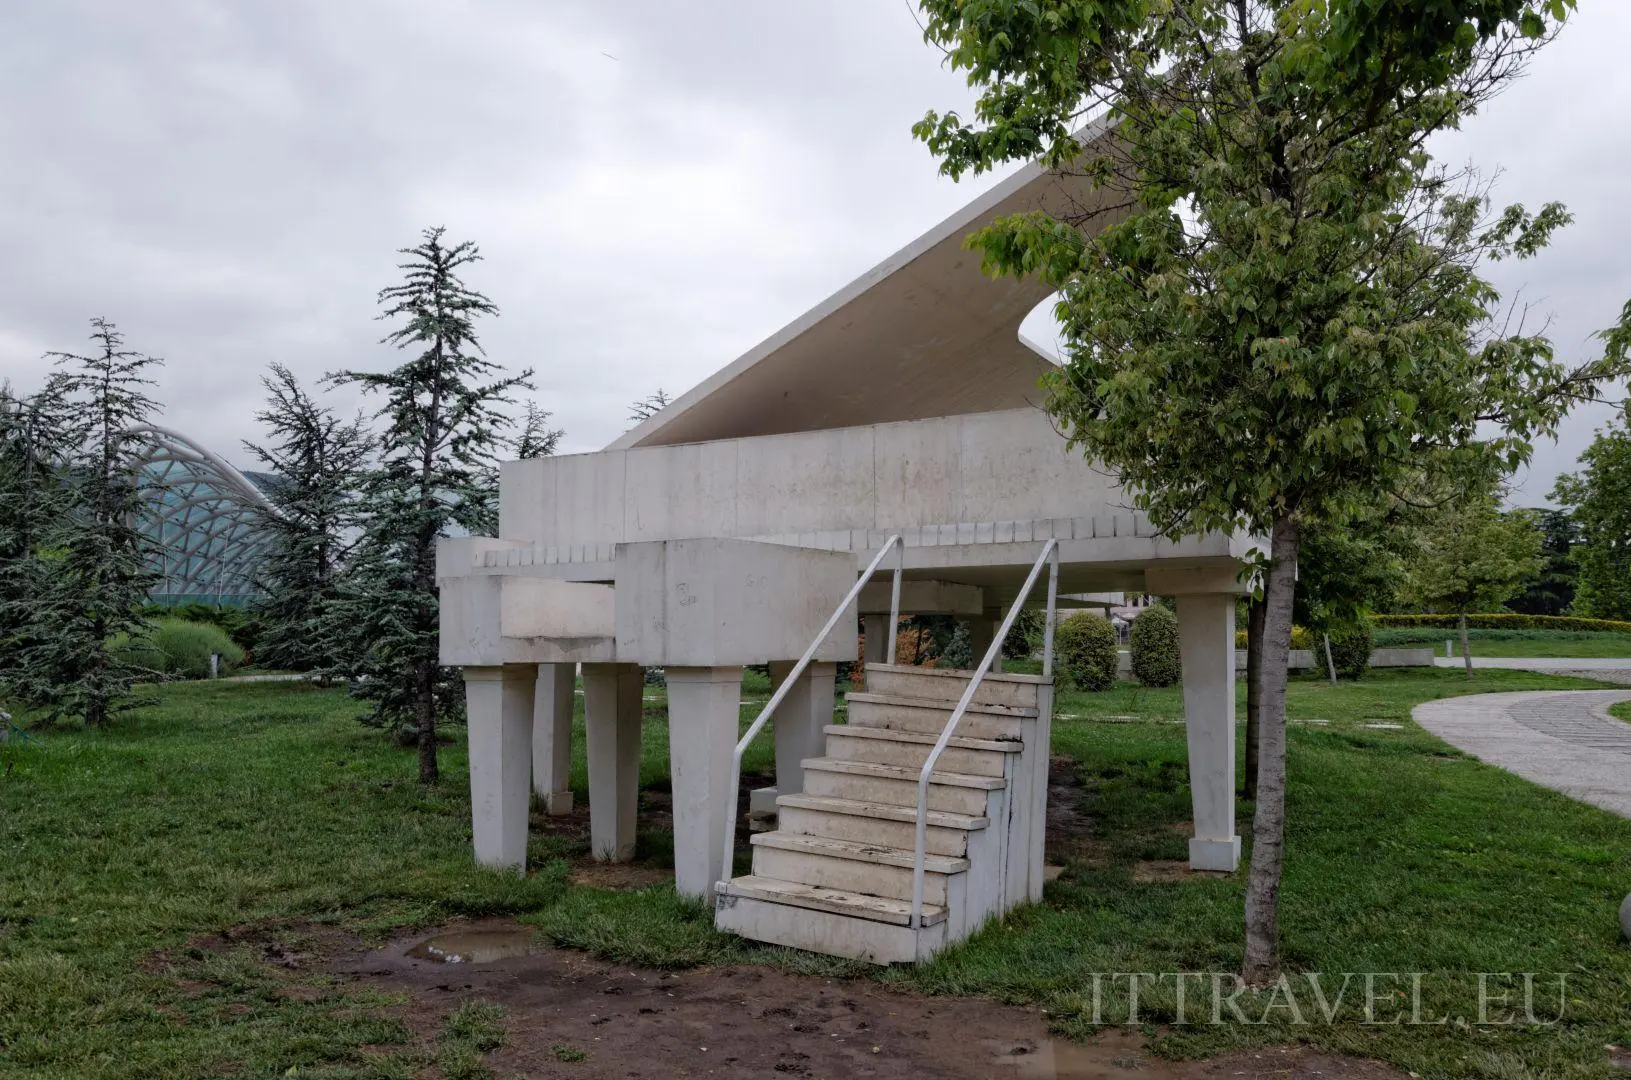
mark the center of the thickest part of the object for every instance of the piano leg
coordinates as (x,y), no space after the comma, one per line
(877,639)
(612,704)
(981,631)
(704,704)
(1206,647)
(799,725)
(552,737)
(498,704)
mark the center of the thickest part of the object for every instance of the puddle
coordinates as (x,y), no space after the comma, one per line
(473,946)
(1060,1059)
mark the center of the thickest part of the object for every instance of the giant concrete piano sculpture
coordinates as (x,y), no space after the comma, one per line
(728,530)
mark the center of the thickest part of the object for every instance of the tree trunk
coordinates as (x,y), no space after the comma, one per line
(425,705)
(1262,960)
(1466,649)
(1254,693)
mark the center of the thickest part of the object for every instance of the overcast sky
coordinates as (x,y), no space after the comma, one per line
(656,186)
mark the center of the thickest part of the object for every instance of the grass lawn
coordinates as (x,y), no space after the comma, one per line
(227,805)
(1545,643)
(1622,710)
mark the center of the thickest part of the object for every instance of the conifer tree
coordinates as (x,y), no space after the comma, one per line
(318,458)
(95,568)
(644,409)
(33,497)
(444,420)
(537,438)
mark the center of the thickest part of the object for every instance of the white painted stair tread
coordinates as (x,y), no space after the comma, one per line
(850,849)
(835,901)
(910,702)
(858,731)
(897,772)
(944,819)
(962,675)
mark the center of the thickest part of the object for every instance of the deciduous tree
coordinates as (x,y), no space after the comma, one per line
(1275,313)
(1473,558)
(1599,498)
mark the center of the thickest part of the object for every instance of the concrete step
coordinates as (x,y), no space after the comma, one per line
(816,930)
(899,712)
(884,909)
(860,868)
(974,757)
(948,684)
(862,781)
(874,823)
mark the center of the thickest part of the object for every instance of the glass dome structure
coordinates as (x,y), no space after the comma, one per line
(207,518)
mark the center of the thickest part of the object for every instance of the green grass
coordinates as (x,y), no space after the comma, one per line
(1541,643)
(248,805)
(1622,710)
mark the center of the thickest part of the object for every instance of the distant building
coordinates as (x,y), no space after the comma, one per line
(208,521)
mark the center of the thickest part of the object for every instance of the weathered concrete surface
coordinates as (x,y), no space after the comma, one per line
(1563,739)
(1206,637)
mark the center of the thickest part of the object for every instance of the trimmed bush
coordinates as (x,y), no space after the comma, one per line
(1085,645)
(1153,642)
(181,649)
(1300,638)
(1507,622)
(1025,635)
(1350,651)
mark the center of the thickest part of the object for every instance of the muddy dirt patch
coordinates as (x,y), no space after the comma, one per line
(568,1015)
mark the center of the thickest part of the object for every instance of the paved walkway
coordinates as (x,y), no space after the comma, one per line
(1564,739)
(1608,670)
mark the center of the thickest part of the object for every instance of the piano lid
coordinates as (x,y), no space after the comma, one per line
(924,333)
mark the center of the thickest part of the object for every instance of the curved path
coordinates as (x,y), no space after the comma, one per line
(1607,670)
(1564,739)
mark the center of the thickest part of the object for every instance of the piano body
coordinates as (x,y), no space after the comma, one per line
(725,530)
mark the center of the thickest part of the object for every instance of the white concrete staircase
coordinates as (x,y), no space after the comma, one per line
(835,876)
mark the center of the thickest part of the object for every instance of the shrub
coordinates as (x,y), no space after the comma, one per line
(1350,651)
(1086,647)
(1025,635)
(1153,642)
(1506,622)
(181,649)
(1300,638)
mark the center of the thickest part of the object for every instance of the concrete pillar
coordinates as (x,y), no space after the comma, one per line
(798,725)
(981,632)
(612,703)
(876,629)
(498,705)
(1206,645)
(552,737)
(703,726)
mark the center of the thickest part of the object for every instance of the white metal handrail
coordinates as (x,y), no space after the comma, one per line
(894,542)
(1050,555)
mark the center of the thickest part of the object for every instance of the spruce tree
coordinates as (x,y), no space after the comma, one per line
(644,409)
(33,497)
(444,420)
(318,458)
(95,568)
(537,438)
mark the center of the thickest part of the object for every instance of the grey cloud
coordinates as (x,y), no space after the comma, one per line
(230,182)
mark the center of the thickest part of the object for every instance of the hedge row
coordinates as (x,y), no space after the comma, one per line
(1506,622)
